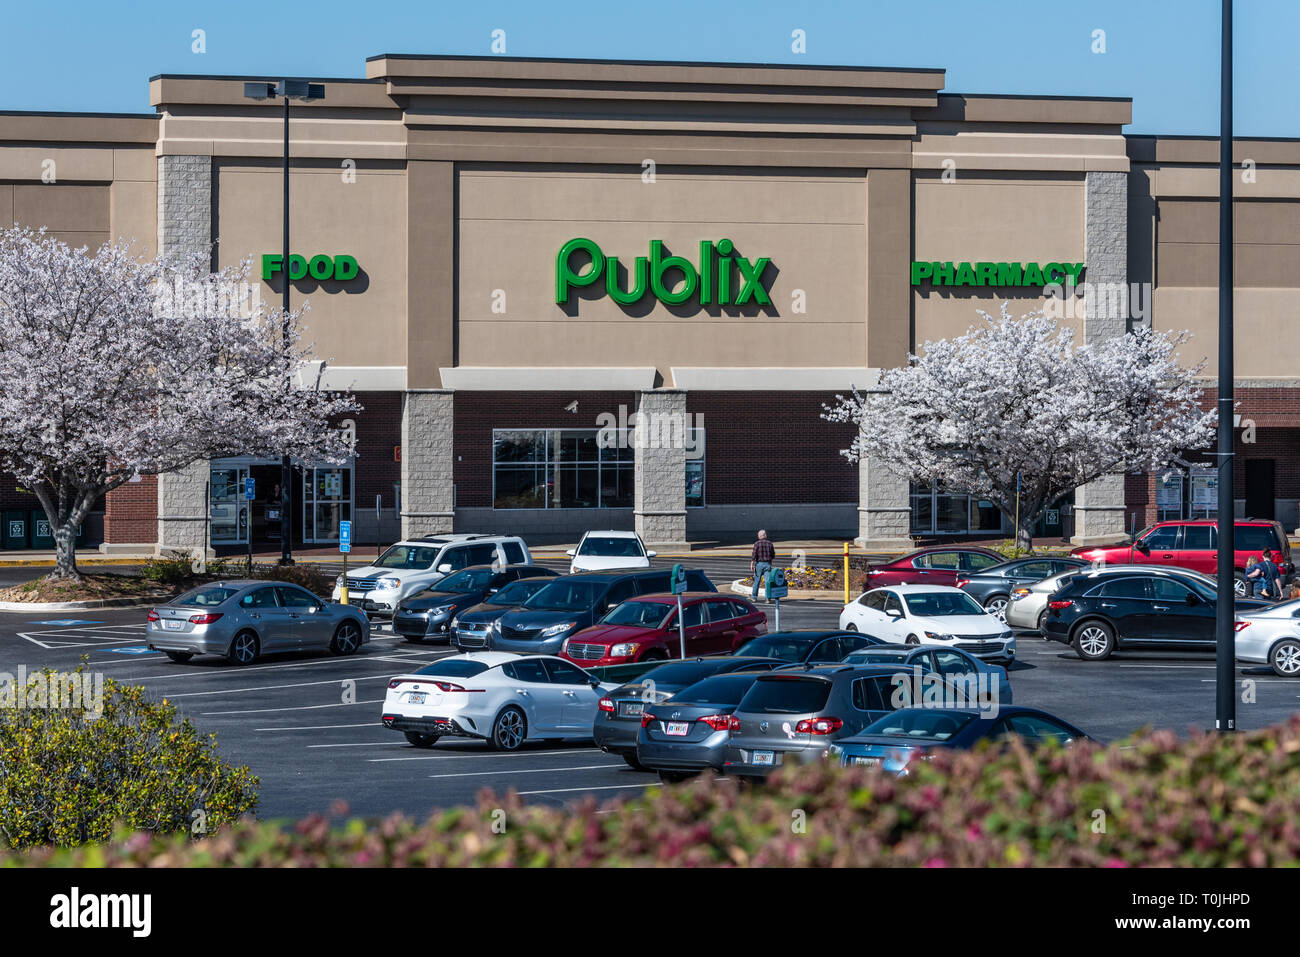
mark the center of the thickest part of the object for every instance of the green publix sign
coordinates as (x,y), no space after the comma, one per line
(995,274)
(721,277)
(341,268)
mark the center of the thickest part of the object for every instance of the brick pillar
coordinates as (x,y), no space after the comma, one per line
(660,496)
(428,502)
(1099,505)
(184,226)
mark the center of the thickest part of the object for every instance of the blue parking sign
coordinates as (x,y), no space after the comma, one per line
(250,488)
(345,536)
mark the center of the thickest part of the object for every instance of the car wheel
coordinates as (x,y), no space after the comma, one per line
(347,639)
(632,762)
(244,649)
(1285,658)
(180,657)
(850,627)
(420,739)
(1042,620)
(1094,641)
(509,730)
(913,640)
(1239,584)
(997,607)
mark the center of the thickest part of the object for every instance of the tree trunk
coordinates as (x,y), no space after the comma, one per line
(65,553)
(1025,535)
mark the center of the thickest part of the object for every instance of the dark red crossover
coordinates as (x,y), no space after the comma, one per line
(938,565)
(1194,544)
(645,628)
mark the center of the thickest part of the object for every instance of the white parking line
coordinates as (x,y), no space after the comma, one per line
(306,707)
(363,744)
(446,756)
(610,787)
(1173,667)
(249,669)
(580,767)
(319,727)
(300,684)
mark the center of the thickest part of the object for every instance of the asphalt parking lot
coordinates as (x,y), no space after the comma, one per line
(308,724)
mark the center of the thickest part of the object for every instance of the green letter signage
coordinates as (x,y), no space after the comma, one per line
(341,268)
(713,280)
(995,274)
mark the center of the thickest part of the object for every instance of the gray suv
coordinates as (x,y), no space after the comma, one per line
(794,714)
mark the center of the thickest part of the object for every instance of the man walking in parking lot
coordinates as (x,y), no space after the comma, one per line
(760,560)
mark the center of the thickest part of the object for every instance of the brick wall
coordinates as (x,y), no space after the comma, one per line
(131,512)
(379,429)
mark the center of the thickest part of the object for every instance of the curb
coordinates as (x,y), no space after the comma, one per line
(40,607)
(793,595)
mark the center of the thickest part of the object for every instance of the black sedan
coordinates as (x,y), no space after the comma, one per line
(992,587)
(1102,610)
(807,647)
(896,740)
(471,628)
(618,718)
(688,733)
(429,613)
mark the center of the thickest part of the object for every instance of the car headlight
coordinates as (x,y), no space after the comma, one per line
(553,630)
(621,651)
(338,582)
(387,584)
(495,625)
(1006,636)
(935,636)
(442,611)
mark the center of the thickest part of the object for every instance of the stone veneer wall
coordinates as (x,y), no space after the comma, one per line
(427,443)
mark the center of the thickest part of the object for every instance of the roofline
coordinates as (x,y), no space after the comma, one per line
(1039,97)
(707,63)
(81,113)
(261,76)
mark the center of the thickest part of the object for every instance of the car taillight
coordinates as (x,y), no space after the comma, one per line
(1058,605)
(207,619)
(719,722)
(646,718)
(606,705)
(1240,625)
(153,615)
(963,582)
(818,726)
(448,686)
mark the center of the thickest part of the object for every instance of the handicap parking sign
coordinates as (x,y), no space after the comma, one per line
(345,536)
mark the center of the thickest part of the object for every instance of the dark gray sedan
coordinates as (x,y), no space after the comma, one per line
(244,619)
(992,586)
(687,733)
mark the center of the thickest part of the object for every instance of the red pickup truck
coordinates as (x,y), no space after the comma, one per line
(1194,544)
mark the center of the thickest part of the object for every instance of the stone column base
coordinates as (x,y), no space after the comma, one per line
(891,545)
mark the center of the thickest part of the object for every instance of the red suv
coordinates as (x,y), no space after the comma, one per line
(645,628)
(1194,544)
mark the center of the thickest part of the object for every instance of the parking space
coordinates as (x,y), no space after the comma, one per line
(308,724)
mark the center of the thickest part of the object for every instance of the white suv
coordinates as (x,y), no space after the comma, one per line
(411,566)
(602,551)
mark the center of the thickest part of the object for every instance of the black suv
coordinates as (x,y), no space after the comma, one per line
(573,602)
(1104,609)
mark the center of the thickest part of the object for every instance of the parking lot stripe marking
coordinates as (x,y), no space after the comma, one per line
(305,707)
(479,754)
(608,787)
(362,744)
(475,774)
(322,727)
(248,669)
(300,684)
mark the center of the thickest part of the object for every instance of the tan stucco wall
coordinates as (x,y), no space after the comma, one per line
(358,323)
(991,218)
(514,221)
(78,214)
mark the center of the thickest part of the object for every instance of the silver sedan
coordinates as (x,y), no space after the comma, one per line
(244,619)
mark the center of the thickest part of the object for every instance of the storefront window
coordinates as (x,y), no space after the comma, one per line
(559,468)
(937,511)
(695,470)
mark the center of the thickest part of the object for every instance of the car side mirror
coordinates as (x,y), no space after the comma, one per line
(1193,598)
(571,552)
(650,554)
(1142,547)
(593,681)
(445,568)
(316,609)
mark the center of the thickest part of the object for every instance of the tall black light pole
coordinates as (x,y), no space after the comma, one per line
(1225,661)
(289,90)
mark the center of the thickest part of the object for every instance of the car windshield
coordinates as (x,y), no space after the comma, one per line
(678,674)
(407,556)
(516,593)
(205,596)
(920,724)
(941,604)
(471,579)
(606,547)
(454,668)
(785,647)
(638,614)
(565,595)
(721,689)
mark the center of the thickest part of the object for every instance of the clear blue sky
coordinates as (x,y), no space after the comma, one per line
(98,56)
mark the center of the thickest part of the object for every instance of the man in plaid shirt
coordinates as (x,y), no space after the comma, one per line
(760,560)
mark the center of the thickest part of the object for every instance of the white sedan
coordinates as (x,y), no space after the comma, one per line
(925,614)
(504,698)
(1271,636)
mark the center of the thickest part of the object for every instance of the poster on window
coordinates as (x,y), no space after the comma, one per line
(1205,494)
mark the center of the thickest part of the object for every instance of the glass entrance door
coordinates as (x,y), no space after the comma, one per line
(326,501)
(228,509)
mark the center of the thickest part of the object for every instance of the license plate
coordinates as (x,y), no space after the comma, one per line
(632,709)
(677,728)
(415,697)
(173,625)
(867,762)
(765,758)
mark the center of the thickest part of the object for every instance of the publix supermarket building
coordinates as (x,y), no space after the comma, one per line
(509,259)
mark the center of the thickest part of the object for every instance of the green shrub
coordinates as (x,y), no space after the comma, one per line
(172,568)
(69,775)
(1154,800)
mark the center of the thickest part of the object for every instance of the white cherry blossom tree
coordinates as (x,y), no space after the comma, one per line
(113,366)
(1019,397)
